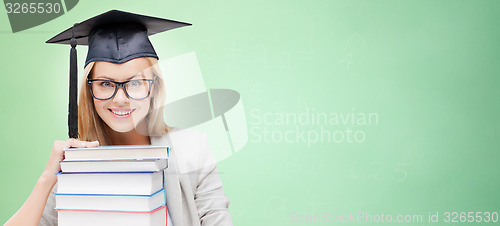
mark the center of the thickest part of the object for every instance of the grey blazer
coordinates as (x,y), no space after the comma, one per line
(192,183)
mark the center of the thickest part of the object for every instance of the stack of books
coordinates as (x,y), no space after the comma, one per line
(112,185)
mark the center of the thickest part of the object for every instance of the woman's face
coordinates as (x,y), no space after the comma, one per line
(121,113)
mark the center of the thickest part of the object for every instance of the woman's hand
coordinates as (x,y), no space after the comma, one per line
(57,155)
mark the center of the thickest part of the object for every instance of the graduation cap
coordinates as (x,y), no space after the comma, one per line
(114,36)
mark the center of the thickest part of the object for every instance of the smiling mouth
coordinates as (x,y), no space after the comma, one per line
(121,112)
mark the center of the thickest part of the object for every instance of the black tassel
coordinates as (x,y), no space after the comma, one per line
(73,90)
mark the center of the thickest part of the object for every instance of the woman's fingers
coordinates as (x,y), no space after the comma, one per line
(57,154)
(81,144)
(92,144)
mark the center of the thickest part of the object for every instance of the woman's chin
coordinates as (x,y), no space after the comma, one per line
(140,128)
(121,130)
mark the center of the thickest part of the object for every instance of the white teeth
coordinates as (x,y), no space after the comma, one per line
(122,112)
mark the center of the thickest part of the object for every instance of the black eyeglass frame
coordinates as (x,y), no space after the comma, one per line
(119,84)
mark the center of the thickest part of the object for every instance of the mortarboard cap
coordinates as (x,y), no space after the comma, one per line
(114,36)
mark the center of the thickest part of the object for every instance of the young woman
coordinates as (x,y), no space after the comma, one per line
(121,103)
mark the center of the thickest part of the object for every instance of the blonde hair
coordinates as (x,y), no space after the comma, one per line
(91,127)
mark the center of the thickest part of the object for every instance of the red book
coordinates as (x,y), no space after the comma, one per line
(157,217)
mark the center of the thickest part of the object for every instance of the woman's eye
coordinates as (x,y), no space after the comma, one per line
(135,83)
(106,84)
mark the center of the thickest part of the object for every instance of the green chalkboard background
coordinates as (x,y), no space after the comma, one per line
(396,103)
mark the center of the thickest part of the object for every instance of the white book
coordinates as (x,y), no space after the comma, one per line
(157,217)
(118,183)
(117,152)
(133,165)
(139,203)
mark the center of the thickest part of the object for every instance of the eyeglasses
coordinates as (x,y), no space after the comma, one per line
(136,89)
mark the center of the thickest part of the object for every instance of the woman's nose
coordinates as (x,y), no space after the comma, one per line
(120,96)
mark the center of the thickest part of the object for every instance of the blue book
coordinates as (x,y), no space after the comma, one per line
(117,152)
(109,202)
(120,165)
(113,183)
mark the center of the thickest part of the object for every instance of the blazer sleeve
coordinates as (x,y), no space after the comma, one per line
(211,202)
(49,215)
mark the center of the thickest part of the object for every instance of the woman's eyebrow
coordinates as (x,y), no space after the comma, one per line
(101,77)
(136,75)
(129,78)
